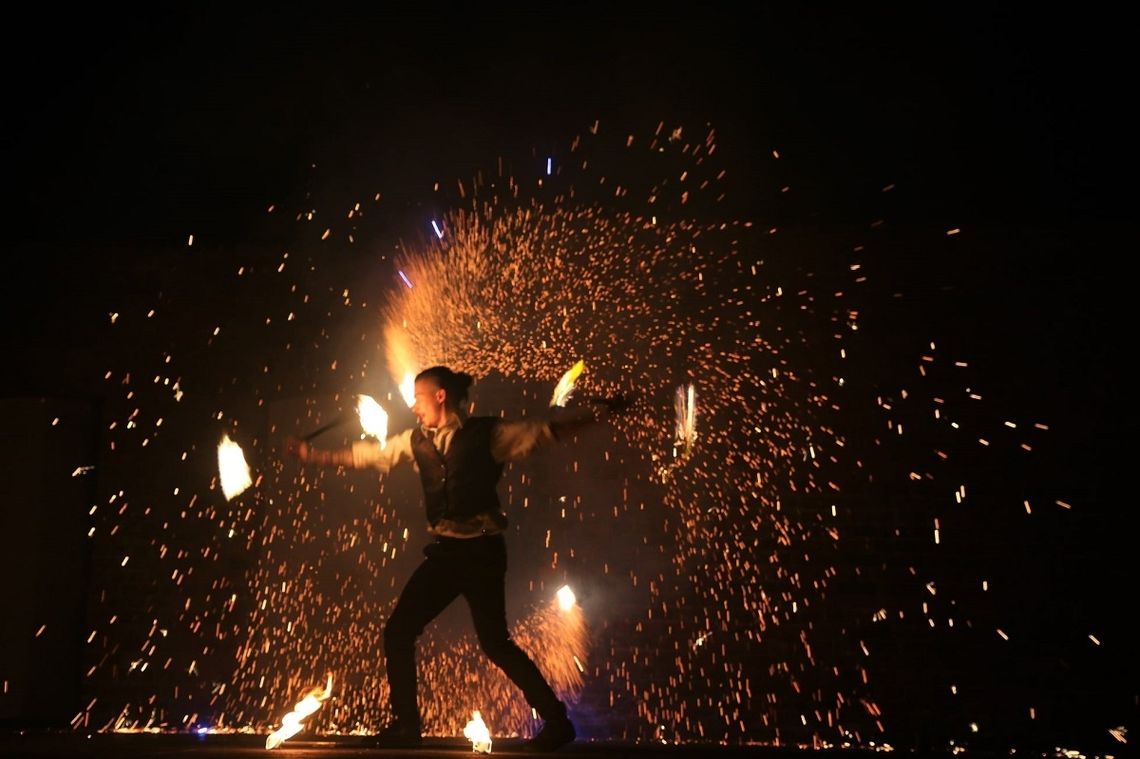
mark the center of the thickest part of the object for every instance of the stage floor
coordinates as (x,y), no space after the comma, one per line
(229,746)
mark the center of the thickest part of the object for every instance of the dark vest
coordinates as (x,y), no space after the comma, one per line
(463,483)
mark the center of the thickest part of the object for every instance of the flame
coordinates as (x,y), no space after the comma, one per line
(557,638)
(566,598)
(291,722)
(566,385)
(685,404)
(373,418)
(232,468)
(408,389)
(476,732)
(401,361)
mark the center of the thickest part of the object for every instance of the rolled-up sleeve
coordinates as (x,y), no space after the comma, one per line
(518,439)
(370,453)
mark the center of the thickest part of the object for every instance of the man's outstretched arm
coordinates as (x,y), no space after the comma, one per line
(515,440)
(602,408)
(362,455)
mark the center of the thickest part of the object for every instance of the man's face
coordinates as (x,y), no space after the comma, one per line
(429,408)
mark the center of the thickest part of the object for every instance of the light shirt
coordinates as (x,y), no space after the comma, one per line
(511,441)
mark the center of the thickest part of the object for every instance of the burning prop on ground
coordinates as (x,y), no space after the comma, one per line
(476,731)
(291,723)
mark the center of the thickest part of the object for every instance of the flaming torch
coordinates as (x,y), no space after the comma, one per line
(232,468)
(685,404)
(408,389)
(401,361)
(373,418)
(565,386)
(476,732)
(291,722)
(566,598)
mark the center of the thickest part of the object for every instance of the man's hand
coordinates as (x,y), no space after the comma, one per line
(615,404)
(297,448)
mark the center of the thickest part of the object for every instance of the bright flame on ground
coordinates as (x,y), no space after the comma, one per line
(476,732)
(232,468)
(566,598)
(291,723)
(565,387)
(373,418)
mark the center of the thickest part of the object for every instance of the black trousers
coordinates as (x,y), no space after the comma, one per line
(476,569)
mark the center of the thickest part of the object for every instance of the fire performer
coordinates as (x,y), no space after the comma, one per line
(460,460)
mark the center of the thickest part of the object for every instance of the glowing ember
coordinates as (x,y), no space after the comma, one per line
(232,468)
(373,418)
(291,722)
(565,387)
(566,598)
(476,732)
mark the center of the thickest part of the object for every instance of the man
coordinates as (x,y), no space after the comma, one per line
(460,461)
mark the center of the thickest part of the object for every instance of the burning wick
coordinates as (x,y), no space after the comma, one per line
(566,384)
(291,722)
(476,732)
(232,468)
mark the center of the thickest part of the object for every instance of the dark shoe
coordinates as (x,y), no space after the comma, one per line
(396,735)
(555,734)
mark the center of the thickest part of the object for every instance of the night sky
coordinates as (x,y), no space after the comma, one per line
(125,134)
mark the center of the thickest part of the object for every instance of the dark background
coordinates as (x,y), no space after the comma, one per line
(126,132)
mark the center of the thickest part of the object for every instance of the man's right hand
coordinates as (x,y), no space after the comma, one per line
(616,404)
